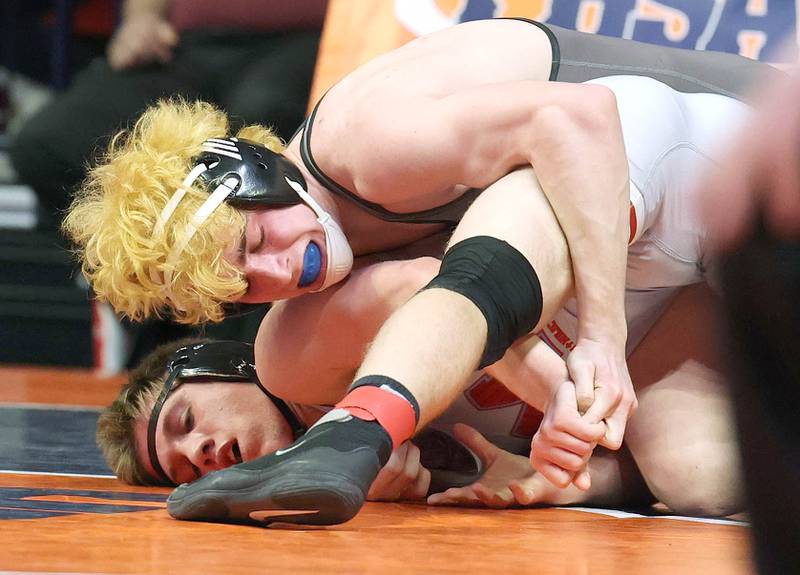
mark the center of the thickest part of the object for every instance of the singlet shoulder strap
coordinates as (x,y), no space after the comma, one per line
(449,213)
(554,46)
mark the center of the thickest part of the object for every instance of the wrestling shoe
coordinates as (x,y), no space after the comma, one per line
(321,479)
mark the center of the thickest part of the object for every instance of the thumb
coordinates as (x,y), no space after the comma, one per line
(566,396)
(528,490)
(582,374)
(477,443)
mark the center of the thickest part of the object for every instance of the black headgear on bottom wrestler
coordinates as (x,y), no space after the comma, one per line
(206,362)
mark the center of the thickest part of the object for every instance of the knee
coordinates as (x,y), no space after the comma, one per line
(697,482)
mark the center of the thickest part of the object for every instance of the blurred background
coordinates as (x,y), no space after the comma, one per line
(73,72)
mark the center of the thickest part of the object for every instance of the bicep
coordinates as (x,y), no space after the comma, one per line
(471,136)
(434,143)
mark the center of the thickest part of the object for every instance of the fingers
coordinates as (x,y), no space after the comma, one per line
(167,34)
(141,40)
(559,466)
(475,495)
(522,495)
(606,400)
(118,57)
(558,455)
(565,440)
(477,443)
(528,491)
(461,496)
(616,425)
(583,480)
(166,40)
(494,499)
(562,422)
(419,489)
(403,476)
(554,474)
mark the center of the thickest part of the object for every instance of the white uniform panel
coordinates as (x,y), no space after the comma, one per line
(671,139)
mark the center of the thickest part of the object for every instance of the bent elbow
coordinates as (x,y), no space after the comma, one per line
(589,107)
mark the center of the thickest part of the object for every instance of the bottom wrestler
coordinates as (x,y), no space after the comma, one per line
(680,446)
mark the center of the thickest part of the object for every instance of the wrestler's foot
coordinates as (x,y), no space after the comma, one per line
(321,479)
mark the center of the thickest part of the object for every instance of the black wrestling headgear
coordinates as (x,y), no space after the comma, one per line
(226,361)
(261,173)
(247,175)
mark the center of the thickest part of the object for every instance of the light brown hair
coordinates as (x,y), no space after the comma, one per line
(116,425)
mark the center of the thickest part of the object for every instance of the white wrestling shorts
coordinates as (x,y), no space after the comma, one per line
(671,140)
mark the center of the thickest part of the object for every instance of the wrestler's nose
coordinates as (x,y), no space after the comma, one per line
(202,454)
(274,267)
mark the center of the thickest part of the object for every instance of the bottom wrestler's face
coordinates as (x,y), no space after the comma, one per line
(282,253)
(212,425)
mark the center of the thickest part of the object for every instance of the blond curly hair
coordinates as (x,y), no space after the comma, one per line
(112,218)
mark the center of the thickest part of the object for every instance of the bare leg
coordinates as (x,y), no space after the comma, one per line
(434,369)
(682,437)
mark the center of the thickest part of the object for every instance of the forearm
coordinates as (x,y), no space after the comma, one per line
(531,370)
(580,160)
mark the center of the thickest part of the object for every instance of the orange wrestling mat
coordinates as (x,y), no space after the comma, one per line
(61,512)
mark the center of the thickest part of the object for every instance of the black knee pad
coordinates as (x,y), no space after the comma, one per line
(501,282)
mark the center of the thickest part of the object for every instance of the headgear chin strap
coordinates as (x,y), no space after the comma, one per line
(211,361)
(248,175)
(340,255)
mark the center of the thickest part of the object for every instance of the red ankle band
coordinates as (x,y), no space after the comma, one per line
(394,413)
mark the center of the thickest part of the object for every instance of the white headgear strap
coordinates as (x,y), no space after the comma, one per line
(340,255)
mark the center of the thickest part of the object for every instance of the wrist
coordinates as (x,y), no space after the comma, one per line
(609,336)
